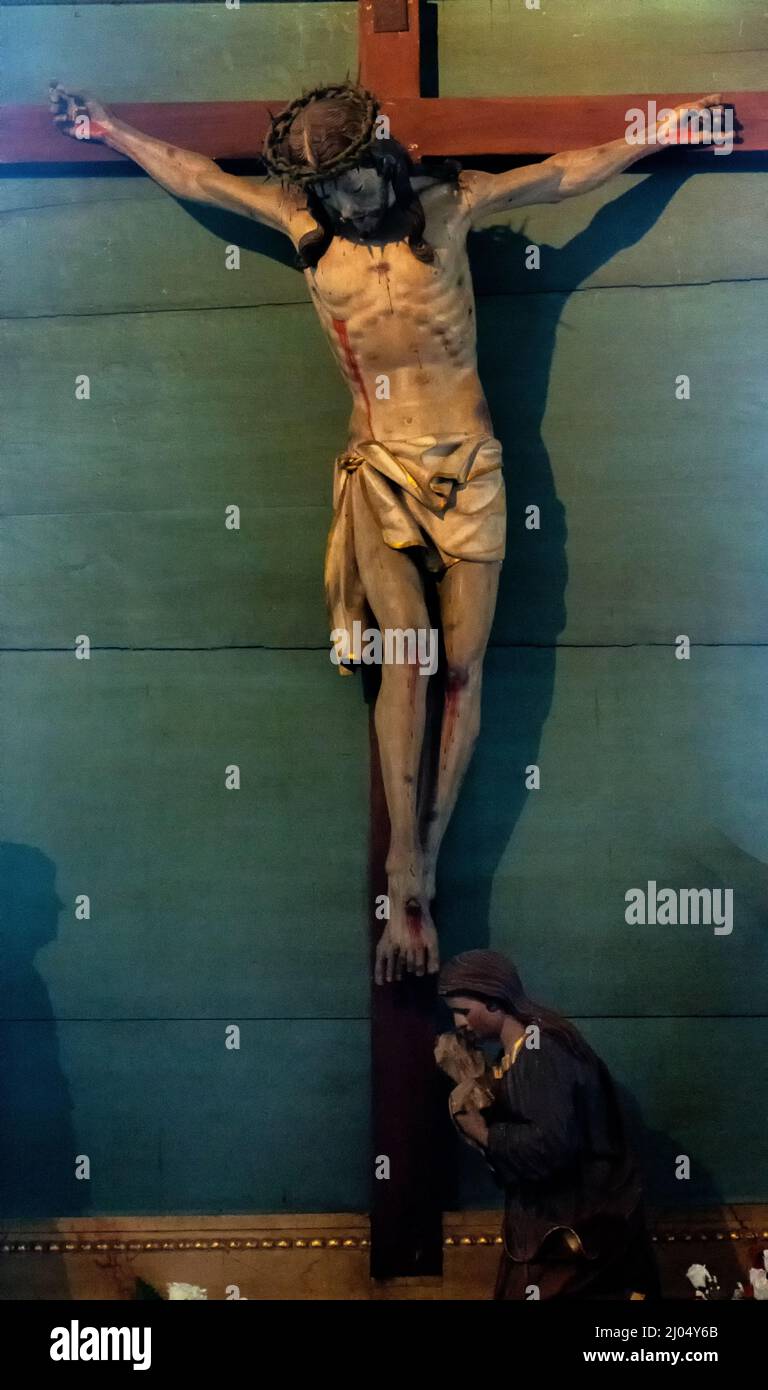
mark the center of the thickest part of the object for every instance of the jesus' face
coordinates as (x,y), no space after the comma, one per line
(357,200)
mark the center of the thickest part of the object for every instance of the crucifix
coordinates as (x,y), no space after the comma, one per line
(419,506)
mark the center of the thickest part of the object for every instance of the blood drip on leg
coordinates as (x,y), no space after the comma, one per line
(413,916)
(455,683)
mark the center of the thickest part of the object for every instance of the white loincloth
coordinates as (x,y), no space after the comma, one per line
(444,495)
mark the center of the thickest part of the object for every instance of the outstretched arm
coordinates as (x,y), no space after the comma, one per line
(182,172)
(576,171)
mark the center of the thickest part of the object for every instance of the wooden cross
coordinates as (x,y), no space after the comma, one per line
(406,1215)
(389,55)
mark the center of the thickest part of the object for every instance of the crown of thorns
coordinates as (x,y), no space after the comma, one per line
(280,159)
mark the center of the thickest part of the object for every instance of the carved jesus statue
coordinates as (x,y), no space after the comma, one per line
(419,491)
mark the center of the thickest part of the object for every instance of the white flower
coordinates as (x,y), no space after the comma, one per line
(759,1281)
(177,1291)
(699,1276)
(704,1283)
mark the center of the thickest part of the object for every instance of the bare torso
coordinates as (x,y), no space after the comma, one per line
(404,332)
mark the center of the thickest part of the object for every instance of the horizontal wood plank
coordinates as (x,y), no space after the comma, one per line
(544,125)
(490,48)
(648,511)
(427,126)
(138,1098)
(11,4)
(235,902)
(103,245)
(176,52)
(645,774)
(651,769)
(175,1121)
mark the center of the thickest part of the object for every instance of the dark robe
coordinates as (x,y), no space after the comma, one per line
(573,1222)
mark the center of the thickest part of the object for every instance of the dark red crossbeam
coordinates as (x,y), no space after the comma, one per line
(427,126)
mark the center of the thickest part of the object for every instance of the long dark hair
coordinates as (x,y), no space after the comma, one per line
(393,163)
(553,1022)
(548,1020)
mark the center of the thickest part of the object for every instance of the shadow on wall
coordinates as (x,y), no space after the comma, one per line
(659,1154)
(38,1145)
(516,339)
(517,327)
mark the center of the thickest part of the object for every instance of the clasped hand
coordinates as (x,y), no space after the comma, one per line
(471,1122)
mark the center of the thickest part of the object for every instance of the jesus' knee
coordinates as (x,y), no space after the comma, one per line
(463,678)
(463,682)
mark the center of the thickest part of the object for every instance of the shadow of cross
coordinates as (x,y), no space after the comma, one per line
(409,1124)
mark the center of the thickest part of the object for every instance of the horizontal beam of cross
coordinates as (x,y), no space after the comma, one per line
(458,126)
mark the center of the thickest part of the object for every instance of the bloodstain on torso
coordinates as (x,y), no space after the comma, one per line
(353,366)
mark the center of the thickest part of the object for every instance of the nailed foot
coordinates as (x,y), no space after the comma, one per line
(408,943)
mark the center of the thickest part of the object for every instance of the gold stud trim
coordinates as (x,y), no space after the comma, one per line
(307,1242)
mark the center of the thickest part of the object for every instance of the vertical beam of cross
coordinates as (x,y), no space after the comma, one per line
(406,1209)
(406,1094)
(389,42)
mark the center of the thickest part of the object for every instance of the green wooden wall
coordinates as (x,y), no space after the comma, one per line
(209,386)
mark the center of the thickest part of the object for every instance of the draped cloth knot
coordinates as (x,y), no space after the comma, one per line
(444,496)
